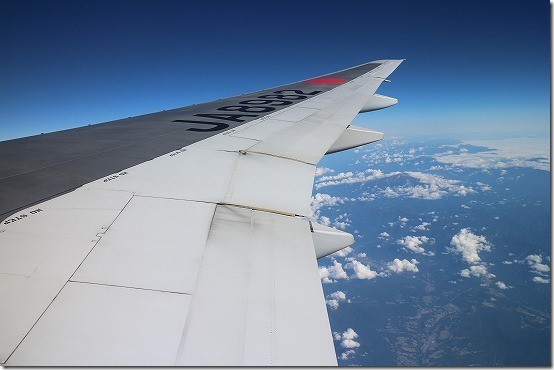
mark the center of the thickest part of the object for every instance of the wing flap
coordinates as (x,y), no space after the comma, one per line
(269,309)
(257,175)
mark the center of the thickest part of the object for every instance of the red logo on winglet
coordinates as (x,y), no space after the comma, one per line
(325,81)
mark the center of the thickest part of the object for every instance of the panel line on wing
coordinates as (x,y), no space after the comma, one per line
(244,152)
(43,310)
(127,287)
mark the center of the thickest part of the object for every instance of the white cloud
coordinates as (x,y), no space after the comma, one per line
(413,243)
(349,178)
(477,271)
(535,262)
(432,187)
(339,295)
(538,279)
(319,171)
(320,201)
(384,234)
(333,300)
(429,186)
(422,227)
(341,222)
(484,187)
(537,267)
(349,343)
(348,339)
(346,355)
(468,245)
(513,152)
(362,271)
(501,285)
(399,266)
(330,274)
(332,303)
(541,267)
(324,220)
(324,200)
(343,252)
(533,258)
(341,225)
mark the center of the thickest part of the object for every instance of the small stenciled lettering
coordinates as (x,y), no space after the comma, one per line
(21,216)
(113,177)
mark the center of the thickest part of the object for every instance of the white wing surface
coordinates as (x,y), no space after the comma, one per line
(201,256)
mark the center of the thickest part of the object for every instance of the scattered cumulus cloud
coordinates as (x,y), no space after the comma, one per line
(483,187)
(535,262)
(537,267)
(469,245)
(346,355)
(422,227)
(320,201)
(502,285)
(399,266)
(362,271)
(347,338)
(331,274)
(320,171)
(341,222)
(343,252)
(339,295)
(538,279)
(334,299)
(413,243)
(435,187)
(477,271)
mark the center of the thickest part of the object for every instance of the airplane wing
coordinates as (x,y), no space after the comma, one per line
(179,237)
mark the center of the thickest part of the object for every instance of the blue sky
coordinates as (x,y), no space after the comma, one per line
(473,67)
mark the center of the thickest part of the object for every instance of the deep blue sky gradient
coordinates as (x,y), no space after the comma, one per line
(474,66)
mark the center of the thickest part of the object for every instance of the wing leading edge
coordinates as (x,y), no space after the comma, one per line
(199,256)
